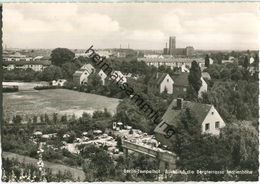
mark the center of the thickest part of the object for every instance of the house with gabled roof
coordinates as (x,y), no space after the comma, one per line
(102,76)
(206,115)
(161,82)
(181,84)
(89,68)
(81,76)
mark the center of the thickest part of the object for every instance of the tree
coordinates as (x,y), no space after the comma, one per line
(46,118)
(246,62)
(197,151)
(256,60)
(51,73)
(68,70)
(99,164)
(143,162)
(195,76)
(35,119)
(60,56)
(242,142)
(119,143)
(94,82)
(225,74)
(17,119)
(207,61)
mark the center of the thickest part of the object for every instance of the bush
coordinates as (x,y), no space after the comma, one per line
(45,87)
(10,89)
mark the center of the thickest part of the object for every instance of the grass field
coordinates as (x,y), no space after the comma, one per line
(63,101)
(76,173)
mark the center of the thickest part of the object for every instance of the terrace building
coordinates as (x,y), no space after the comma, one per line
(37,66)
(171,62)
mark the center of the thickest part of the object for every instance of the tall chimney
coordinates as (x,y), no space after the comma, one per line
(179,103)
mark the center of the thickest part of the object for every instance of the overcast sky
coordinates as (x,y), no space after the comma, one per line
(141,25)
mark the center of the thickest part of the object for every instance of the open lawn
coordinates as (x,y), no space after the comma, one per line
(62,101)
(76,173)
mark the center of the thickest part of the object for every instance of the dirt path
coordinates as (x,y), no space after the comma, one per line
(77,173)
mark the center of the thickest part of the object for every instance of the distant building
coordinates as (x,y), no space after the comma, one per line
(59,82)
(172,50)
(185,68)
(251,60)
(104,53)
(206,115)
(37,66)
(165,51)
(181,85)
(37,58)
(16,57)
(171,62)
(77,55)
(161,82)
(154,56)
(102,76)
(231,59)
(189,51)
(81,76)
(121,78)
(172,45)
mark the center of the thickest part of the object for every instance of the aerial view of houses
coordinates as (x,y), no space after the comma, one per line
(132,110)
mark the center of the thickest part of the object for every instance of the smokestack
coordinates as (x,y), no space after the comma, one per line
(179,103)
(166,45)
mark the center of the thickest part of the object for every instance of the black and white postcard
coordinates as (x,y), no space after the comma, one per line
(130,92)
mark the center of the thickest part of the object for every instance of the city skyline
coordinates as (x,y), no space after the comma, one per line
(229,26)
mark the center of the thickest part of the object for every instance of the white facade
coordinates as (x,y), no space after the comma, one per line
(153,56)
(203,88)
(251,60)
(211,61)
(120,76)
(212,122)
(35,67)
(59,82)
(9,67)
(184,68)
(104,53)
(103,76)
(171,62)
(84,77)
(167,84)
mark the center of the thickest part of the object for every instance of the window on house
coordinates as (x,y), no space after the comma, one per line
(212,112)
(207,127)
(167,80)
(217,125)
